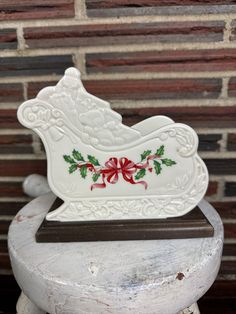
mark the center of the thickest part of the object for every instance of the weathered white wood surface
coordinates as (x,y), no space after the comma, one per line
(192,309)
(147,277)
(35,185)
(25,306)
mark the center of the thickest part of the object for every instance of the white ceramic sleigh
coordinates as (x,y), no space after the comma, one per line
(105,170)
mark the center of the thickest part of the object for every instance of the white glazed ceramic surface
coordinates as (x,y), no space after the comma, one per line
(103,169)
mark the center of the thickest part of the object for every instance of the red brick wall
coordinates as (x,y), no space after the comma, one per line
(147,57)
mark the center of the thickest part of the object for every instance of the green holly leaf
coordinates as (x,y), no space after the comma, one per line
(77,155)
(160,151)
(157,167)
(72,168)
(68,159)
(140,174)
(145,154)
(93,160)
(168,162)
(83,171)
(96,176)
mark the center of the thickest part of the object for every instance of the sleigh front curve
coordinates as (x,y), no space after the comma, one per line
(103,169)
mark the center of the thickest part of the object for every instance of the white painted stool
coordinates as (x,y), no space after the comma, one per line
(147,277)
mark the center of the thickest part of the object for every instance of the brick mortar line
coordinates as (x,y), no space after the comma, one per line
(228,258)
(11,179)
(227,30)
(228,199)
(227,277)
(117,20)
(6,217)
(20,38)
(16,132)
(6,272)
(228,178)
(225,85)
(15,199)
(165,103)
(168,75)
(42,156)
(229,220)
(30,79)
(223,142)
(220,189)
(215,177)
(155,103)
(79,63)
(120,48)
(229,241)
(36,144)
(7,106)
(25,90)
(210,198)
(80,9)
(217,155)
(207,130)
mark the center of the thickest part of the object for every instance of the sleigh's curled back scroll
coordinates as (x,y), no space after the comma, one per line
(103,169)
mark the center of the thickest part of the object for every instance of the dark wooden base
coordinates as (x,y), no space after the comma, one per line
(191,225)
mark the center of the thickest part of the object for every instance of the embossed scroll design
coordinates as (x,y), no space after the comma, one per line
(114,166)
(45,117)
(136,208)
(84,115)
(184,137)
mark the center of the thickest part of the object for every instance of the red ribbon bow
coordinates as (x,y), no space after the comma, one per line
(113,167)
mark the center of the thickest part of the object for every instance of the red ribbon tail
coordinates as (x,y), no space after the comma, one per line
(131,180)
(144,183)
(99,185)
